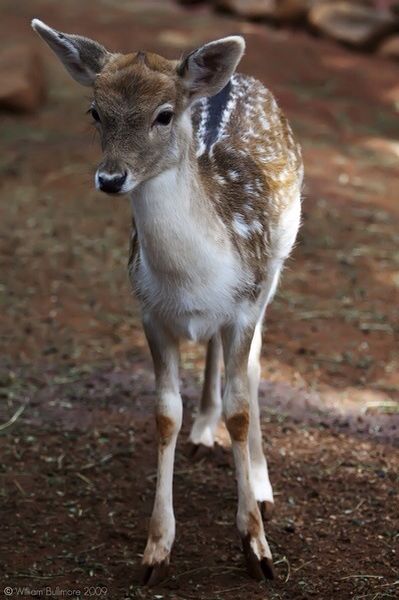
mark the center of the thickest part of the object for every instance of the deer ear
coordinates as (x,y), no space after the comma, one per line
(207,70)
(83,58)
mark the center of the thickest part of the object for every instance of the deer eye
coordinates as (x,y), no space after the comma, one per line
(94,114)
(164,117)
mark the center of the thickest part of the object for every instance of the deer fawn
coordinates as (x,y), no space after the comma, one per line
(214,177)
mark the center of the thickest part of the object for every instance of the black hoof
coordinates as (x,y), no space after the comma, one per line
(154,574)
(199,451)
(258,569)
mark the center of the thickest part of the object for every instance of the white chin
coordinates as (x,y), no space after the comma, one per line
(127,188)
(129,185)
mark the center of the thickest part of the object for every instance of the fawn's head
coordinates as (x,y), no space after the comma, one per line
(141,101)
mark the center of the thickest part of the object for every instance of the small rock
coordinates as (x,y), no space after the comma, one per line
(21,79)
(289,527)
(390,47)
(190,2)
(278,10)
(252,9)
(359,25)
(293,10)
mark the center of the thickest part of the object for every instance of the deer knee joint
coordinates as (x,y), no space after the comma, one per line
(166,427)
(238,425)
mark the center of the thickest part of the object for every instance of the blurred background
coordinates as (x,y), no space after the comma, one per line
(77,437)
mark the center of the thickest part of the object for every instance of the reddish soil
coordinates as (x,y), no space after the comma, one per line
(77,468)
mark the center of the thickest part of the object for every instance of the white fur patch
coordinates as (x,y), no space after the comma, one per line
(240,226)
(186,275)
(260,483)
(283,235)
(201,146)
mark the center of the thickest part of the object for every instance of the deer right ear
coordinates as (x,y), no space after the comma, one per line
(83,58)
(208,69)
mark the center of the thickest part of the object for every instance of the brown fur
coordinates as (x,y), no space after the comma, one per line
(275,181)
(254,524)
(237,426)
(165,427)
(126,94)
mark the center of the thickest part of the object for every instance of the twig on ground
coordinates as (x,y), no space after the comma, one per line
(90,549)
(362,577)
(302,565)
(85,479)
(350,511)
(232,589)
(286,561)
(19,487)
(14,418)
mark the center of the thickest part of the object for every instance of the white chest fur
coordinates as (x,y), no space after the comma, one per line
(188,272)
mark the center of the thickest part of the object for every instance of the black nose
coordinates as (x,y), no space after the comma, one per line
(111,182)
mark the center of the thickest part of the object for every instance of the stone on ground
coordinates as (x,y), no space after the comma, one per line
(355,24)
(21,79)
(249,8)
(390,47)
(293,10)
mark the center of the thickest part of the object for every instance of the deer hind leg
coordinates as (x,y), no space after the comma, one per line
(210,409)
(259,471)
(236,408)
(165,353)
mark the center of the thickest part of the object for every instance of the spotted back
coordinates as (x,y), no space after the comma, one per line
(249,161)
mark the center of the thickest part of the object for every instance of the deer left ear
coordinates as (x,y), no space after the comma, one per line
(207,70)
(83,58)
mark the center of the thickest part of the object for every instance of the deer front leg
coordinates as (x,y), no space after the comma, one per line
(165,354)
(236,409)
(210,409)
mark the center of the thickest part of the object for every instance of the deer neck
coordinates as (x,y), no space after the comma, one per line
(172,212)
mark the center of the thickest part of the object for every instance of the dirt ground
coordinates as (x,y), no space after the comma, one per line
(77,468)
